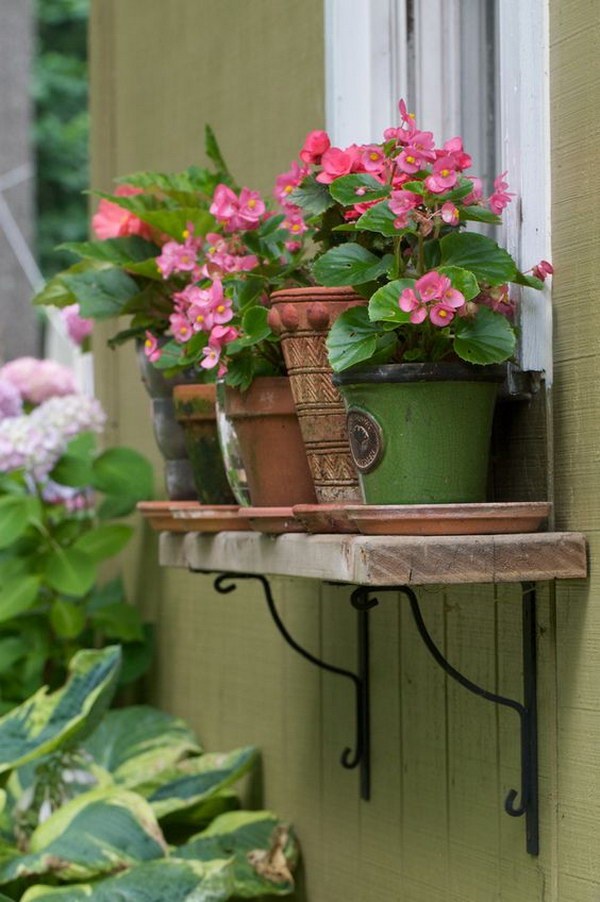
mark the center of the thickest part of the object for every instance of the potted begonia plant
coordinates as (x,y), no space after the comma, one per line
(192,259)
(419,365)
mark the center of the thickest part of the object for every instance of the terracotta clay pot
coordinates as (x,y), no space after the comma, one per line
(271,446)
(303,318)
(195,412)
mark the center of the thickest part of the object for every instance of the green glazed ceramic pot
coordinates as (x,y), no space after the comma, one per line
(420,433)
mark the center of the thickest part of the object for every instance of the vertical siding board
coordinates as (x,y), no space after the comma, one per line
(424,750)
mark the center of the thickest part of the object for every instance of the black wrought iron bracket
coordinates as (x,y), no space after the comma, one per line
(518,803)
(359,756)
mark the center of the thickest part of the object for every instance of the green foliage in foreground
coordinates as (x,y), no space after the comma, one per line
(125,805)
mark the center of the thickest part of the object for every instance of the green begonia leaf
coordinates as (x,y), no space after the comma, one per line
(344,189)
(486,338)
(480,255)
(384,303)
(353,339)
(350,264)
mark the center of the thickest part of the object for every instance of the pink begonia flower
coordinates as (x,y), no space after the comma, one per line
(223,335)
(501,197)
(451,297)
(151,349)
(294,223)
(292,246)
(180,327)
(373,158)
(423,143)
(190,295)
(224,203)
(444,176)
(78,327)
(454,149)
(499,300)
(441,314)
(401,203)
(112,221)
(315,145)
(176,257)
(201,317)
(431,286)
(233,212)
(410,303)
(476,194)
(220,306)
(402,134)
(251,207)
(336,162)
(542,270)
(38,380)
(11,404)
(410,160)
(287,182)
(211,356)
(450,213)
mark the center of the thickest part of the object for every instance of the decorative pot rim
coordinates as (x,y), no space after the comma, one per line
(314,292)
(420,372)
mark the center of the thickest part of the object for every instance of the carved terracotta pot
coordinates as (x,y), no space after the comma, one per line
(196,413)
(303,317)
(270,442)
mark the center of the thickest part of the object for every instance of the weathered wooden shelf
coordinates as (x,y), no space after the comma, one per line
(383,560)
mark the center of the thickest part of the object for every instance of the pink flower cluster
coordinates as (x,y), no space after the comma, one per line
(176,257)
(38,380)
(235,213)
(433,297)
(285,184)
(408,154)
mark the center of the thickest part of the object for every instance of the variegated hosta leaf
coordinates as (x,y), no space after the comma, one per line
(101,832)
(265,851)
(195,779)
(45,722)
(137,742)
(200,815)
(171,880)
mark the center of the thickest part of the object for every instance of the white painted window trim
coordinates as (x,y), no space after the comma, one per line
(369,66)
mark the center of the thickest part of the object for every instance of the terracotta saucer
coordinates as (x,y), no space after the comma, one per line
(325,518)
(190,516)
(448,519)
(273,520)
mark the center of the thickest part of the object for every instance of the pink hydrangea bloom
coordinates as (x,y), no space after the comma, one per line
(11,404)
(315,145)
(78,327)
(38,380)
(112,221)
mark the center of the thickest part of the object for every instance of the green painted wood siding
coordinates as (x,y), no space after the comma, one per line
(443,760)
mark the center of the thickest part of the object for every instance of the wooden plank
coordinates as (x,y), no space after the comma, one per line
(384,560)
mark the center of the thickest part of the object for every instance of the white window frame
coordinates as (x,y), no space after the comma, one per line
(369,66)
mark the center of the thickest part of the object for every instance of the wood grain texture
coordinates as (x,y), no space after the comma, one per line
(384,560)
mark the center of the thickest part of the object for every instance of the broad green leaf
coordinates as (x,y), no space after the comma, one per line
(353,339)
(119,621)
(104,541)
(137,742)
(123,471)
(380,218)
(56,293)
(67,619)
(14,518)
(384,303)
(482,256)
(18,595)
(463,189)
(167,880)
(70,571)
(476,213)
(265,851)
(345,188)
(102,293)
(97,832)
(171,220)
(313,197)
(200,816)
(44,722)
(255,327)
(195,779)
(73,470)
(12,649)
(484,339)
(462,279)
(118,251)
(349,264)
